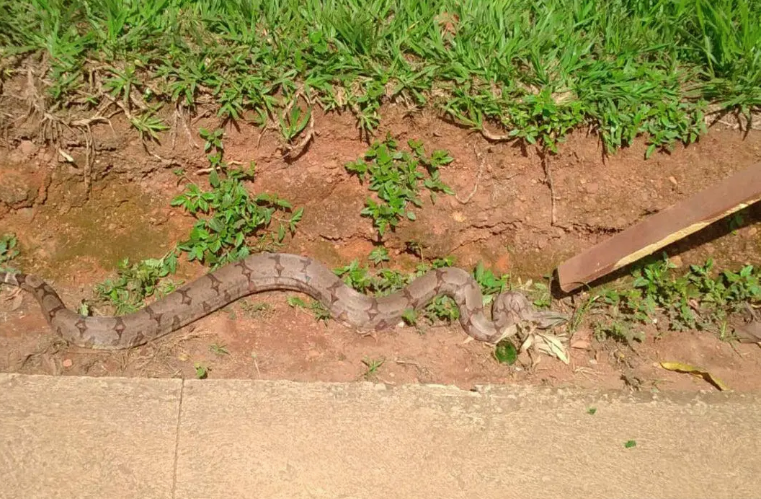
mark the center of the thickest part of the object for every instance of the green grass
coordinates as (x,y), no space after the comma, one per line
(372,367)
(321,314)
(527,69)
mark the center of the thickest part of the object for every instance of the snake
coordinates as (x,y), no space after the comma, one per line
(286,272)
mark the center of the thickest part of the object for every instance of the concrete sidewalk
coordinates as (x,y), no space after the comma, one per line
(109,438)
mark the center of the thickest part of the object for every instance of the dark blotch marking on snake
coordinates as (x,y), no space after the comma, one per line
(382,324)
(333,289)
(278,265)
(53,311)
(119,327)
(153,315)
(411,299)
(246,271)
(186,300)
(82,326)
(215,283)
(373,311)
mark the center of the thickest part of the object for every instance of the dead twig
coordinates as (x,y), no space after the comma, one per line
(548,176)
(206,171)
(179,116)
(493,137)
(89,157)
(478,178)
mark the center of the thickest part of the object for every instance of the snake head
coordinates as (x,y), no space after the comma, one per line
(547,319)
(513,307)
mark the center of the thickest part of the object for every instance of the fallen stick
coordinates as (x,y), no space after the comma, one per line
(663,228)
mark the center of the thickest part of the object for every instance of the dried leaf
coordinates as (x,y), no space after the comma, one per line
(696,371)
(557,349)
(16,301)
(527,344)
(581,344)
(66,156)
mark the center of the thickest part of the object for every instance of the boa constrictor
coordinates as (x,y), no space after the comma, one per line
(280,271)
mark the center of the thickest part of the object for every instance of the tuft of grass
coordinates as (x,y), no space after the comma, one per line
(372,367)
(321,314)
(218,349)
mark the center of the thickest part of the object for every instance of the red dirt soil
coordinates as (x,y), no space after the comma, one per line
(74,241)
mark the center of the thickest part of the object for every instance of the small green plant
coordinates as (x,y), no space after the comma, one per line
(135,282)
(8,248)
(539,118)
(379,255)
(213,145)
(218,349)
(737,220)
(294,122)
(410,317)
(541,295)
(149,125)
(234,214)
(395,177)
(321,314)
(202,372)
(630,443)
(592,411)
(623,331)
(490,283)
(255,309)
(580,313)
(699,298)
(372,365)
(505,352)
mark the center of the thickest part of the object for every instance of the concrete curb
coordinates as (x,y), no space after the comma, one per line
(169,438)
